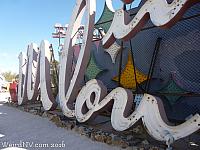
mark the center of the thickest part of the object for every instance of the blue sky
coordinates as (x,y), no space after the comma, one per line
(26,21)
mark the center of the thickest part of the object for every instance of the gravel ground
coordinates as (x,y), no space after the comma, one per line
(26,131)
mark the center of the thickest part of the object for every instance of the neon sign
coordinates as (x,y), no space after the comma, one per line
(150,109)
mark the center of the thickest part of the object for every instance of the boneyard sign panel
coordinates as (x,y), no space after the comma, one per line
(93,96)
